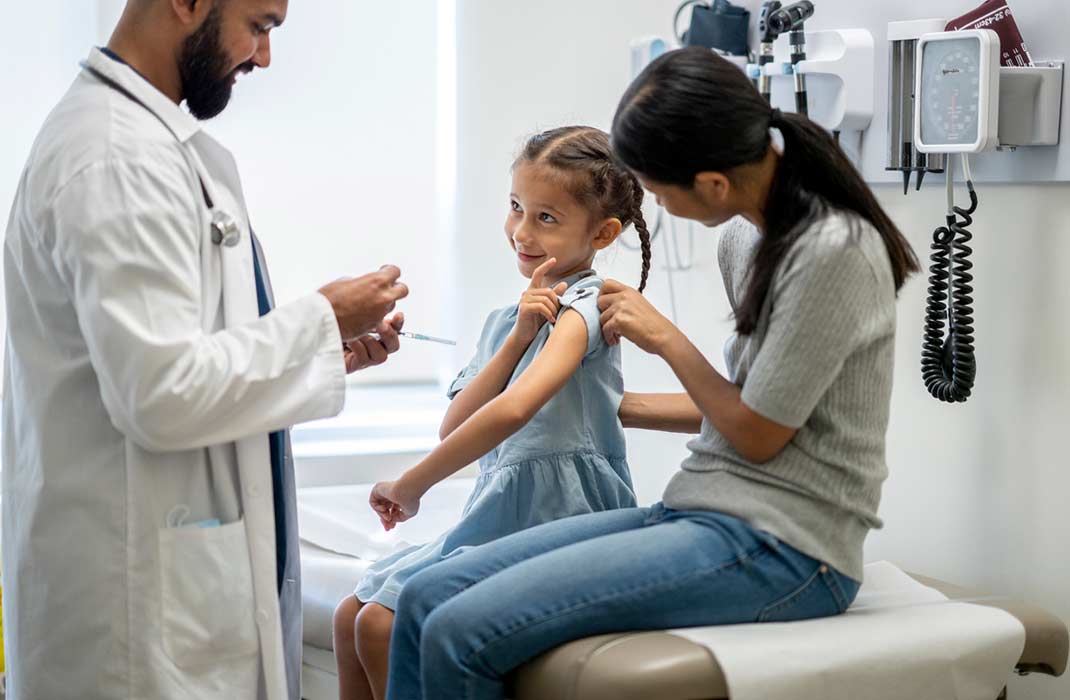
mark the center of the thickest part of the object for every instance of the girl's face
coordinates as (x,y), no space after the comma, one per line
(545,221)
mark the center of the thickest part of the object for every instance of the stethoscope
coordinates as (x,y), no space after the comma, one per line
(224,227)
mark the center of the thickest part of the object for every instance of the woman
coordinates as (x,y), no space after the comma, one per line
(766,519)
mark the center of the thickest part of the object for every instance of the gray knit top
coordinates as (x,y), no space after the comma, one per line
(820,361)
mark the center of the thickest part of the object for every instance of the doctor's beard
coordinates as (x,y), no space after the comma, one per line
(201,65)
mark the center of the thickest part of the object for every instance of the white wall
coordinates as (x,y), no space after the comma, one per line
(977,492)
(335,143)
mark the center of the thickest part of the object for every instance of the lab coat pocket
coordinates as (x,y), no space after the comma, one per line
(206,588)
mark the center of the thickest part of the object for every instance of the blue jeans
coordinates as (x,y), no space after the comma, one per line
(464,623)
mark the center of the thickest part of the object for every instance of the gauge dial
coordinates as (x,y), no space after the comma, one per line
(957,99)
(951,92)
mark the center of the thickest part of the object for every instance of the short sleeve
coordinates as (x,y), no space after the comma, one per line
(498,323)
(463,378)
(827,303)
(583,298)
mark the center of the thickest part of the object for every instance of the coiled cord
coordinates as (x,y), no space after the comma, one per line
(948,365)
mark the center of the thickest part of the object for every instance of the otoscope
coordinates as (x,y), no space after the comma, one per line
(765,47)
(774,21)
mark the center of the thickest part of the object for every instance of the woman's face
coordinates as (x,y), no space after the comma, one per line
(705,202)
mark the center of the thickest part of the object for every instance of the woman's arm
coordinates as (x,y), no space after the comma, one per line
(670,413)
(626,313)
(754,436)
(490,425)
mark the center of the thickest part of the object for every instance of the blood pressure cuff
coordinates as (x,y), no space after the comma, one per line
(722,26)
(996,15)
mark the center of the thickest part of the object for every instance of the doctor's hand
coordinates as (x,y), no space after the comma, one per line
(368,350)
(538,304)
(392,504)
(360,304)
(627,314)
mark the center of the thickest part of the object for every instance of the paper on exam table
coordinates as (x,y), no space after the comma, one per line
(899,639)
(339,519)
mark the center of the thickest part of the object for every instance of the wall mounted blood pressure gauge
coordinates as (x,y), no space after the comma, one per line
(956,107)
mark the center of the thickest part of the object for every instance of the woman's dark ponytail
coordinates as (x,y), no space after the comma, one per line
(814,164)
(691,111)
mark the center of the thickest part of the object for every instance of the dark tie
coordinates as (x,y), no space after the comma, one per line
(277,442)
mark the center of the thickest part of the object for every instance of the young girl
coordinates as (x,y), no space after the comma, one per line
(537,404)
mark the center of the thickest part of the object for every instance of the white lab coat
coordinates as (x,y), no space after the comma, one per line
(140,377)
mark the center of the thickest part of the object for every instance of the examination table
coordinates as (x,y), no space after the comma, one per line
(623,666)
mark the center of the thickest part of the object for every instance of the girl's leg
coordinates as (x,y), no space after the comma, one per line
(674,571)
(374,623)
(449,577)
(352,680)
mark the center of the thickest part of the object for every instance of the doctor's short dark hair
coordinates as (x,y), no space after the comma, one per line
(691,111)
(600,183)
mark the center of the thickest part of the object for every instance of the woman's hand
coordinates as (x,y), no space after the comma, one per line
(393,503)
(538,305)
(627,314)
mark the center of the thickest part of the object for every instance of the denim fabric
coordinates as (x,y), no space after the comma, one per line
(463,624)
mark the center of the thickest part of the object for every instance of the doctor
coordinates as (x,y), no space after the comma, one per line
(149,539)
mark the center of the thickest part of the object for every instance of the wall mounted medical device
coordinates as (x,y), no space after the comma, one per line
(776,20)
(903,155)
(718,25)
(948,96)
(957,77)
(955,112)
(838,69)
(831,71)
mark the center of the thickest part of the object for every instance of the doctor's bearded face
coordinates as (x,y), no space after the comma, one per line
(233,39)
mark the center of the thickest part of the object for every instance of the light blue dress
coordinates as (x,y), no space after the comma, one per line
(569,459)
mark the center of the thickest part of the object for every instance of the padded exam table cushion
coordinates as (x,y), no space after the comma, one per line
(643,665)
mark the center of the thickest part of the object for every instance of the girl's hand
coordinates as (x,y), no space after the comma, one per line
(392,504)
(627,314)
(538,304)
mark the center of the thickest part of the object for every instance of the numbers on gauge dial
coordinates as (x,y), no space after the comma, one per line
(952,94)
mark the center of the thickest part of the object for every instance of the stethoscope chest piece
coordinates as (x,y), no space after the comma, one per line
(225,229)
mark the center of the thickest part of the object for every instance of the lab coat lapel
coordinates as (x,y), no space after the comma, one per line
(290,595)
(254,456)
(224,187)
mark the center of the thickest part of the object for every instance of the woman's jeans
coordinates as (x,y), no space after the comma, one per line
(464,623)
